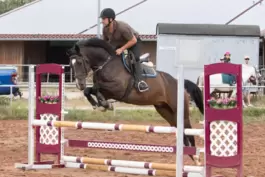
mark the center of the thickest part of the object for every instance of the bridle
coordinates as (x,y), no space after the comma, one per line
(95,69)
(98,68)
(83,65)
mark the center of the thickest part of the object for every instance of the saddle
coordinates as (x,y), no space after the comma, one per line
(146,65)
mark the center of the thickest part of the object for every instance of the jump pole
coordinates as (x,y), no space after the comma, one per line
(180,123)
(57,109)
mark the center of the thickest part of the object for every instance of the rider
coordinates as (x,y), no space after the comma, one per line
(122,36)
(227,58)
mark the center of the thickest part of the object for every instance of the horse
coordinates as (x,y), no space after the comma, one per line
(113,79)
(222,82)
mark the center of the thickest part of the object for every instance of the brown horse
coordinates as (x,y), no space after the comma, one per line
(113,81)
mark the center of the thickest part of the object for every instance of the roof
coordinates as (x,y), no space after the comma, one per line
(64,19)
(209,29)
(57,37)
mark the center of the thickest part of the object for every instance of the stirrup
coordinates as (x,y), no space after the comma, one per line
(142,90)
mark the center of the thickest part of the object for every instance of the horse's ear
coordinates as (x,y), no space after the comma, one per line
(68,52)
(77,49)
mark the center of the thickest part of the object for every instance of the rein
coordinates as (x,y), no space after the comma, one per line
(97,68)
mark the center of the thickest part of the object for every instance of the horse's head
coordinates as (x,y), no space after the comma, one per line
(86,55)
(79,65)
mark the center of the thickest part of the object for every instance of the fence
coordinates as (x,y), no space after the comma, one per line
(69,76)
(73,86)
(23,70)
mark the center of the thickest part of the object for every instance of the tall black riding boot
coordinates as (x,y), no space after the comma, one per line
(140,84)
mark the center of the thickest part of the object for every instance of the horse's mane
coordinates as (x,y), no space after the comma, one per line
(97,42)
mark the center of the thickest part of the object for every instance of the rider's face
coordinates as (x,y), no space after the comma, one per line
(246,60)
(104,21)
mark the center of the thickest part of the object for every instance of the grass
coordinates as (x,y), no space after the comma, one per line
(19,111)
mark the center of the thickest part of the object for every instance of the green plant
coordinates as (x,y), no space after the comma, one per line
(222,103)
(49,99)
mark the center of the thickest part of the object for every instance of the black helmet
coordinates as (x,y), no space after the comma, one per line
(107,13)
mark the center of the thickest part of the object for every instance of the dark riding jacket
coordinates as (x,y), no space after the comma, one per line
(122,33)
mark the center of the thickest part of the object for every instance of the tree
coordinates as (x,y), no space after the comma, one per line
(7,5)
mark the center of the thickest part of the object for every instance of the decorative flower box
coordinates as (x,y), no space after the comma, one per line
(49,99)
(222,103)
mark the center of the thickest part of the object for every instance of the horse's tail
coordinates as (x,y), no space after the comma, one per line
(195,93)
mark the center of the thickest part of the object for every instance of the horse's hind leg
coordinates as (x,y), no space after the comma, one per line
(165,111)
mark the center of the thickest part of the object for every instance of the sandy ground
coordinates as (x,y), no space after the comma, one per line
(13,143)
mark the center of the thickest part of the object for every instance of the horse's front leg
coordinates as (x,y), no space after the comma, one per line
(102,103)
(87,92)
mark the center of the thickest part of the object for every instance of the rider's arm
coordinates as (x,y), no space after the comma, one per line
(129,36)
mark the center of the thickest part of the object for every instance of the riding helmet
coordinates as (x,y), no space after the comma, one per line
(108,13)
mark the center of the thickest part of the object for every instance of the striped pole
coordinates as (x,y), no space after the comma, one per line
(117,127)
(120,163)
(136,171)
(132,164)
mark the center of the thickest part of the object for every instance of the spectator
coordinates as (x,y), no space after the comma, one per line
(248,90)
(227,57)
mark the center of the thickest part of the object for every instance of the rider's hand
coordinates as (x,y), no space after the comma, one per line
(119,51)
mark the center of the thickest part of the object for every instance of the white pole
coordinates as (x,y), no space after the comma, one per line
(98,26)
(180,123)
(31,116)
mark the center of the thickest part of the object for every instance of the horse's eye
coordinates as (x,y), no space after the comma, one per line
(79,61)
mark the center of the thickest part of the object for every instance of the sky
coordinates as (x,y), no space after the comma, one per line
(196,11)
(73,16)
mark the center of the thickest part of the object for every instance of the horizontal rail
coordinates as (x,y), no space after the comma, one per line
(132,147)
(120,163)
(7,65)
(73,85)
(117,127)
(136,171)
(188,170)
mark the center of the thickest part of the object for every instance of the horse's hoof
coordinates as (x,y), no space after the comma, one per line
(111,107)
(102,109)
